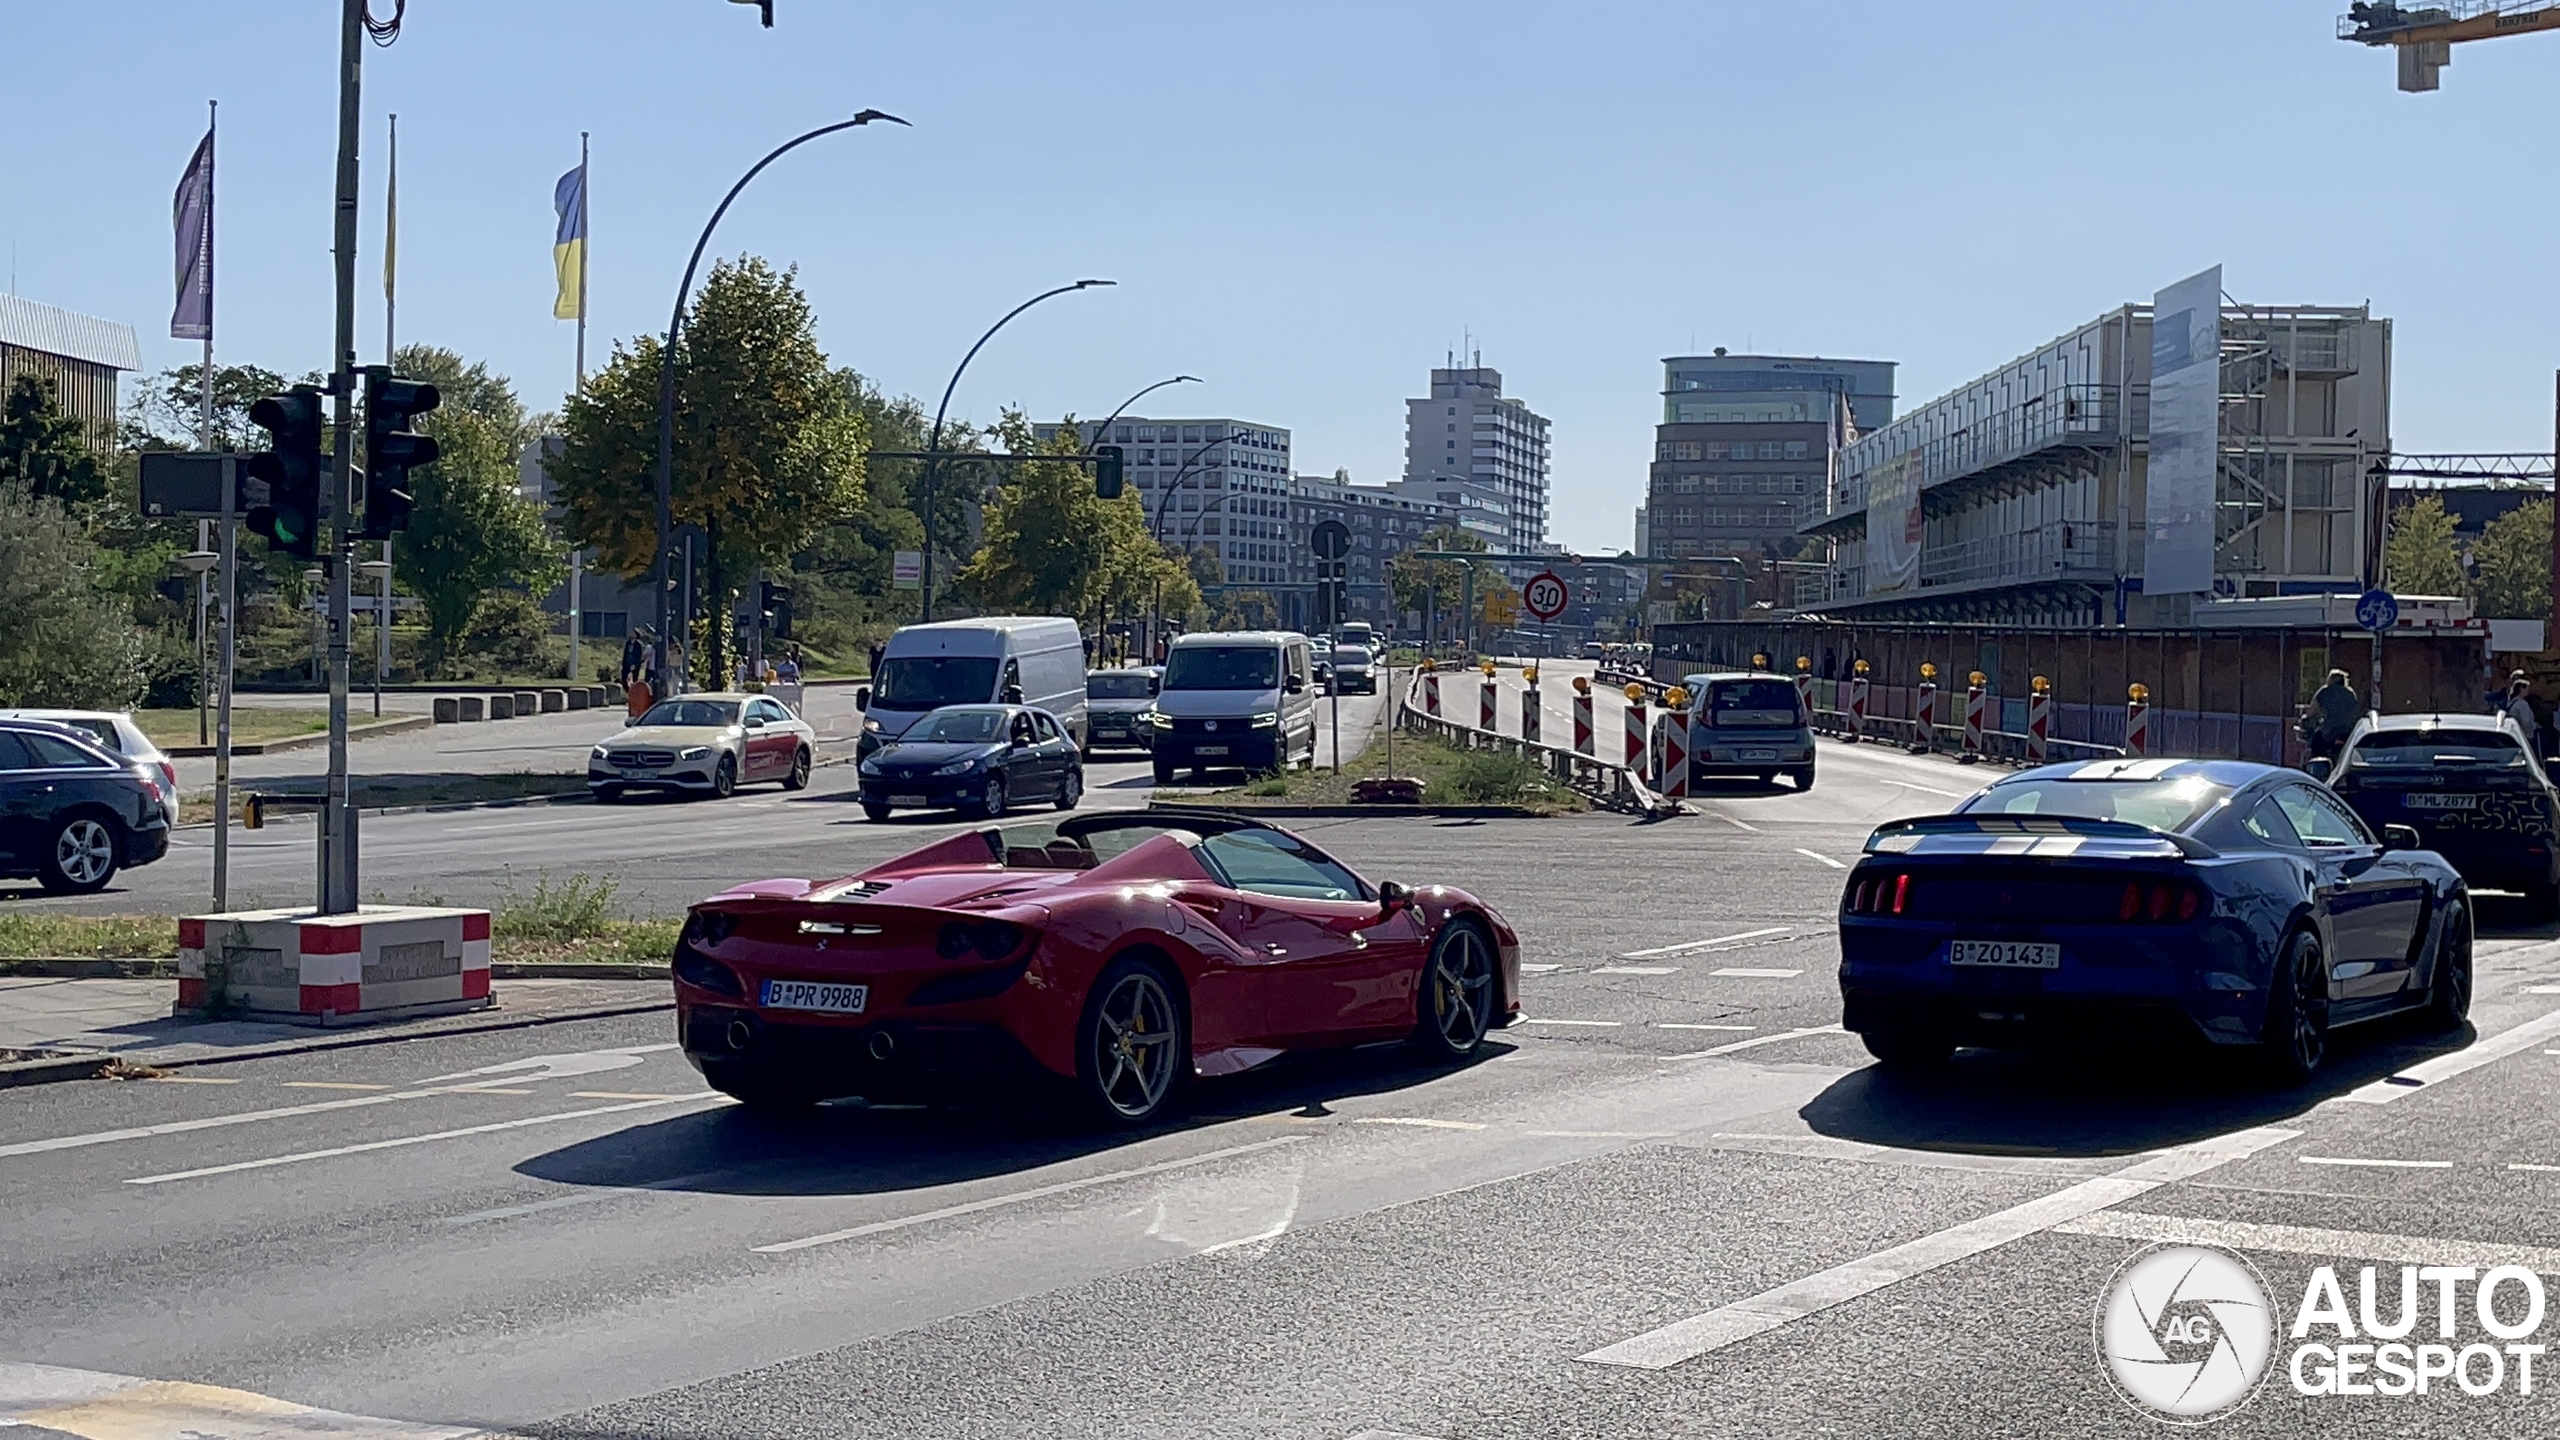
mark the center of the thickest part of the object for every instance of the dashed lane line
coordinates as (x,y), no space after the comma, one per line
(1930,789)
(1596,1024)
(1747,972)
(2307,1240)
(2372,1164)
(1686,946)
(1738,824)
(217,1122)
(1417,1121)
(1819,856)
(329,1085)
(1685,1025)
(1758,1040)
(335,1151)
(2445,1067)
(1539,969)
(1635,970)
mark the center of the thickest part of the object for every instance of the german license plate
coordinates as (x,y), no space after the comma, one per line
(2006,954)
(1208,749)
(1758,754)
(2440,802)
(911,801)
(816,995)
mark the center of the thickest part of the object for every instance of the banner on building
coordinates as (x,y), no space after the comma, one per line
(2186,435)
(1893,525)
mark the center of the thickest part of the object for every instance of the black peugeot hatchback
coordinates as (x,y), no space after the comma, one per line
(71,814)
(2471,787)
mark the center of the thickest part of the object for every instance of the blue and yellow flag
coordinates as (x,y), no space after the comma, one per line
(569,245)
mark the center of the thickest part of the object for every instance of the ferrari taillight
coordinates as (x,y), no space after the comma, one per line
(2157,902)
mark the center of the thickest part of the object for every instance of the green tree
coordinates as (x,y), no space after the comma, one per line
(1045,548)
(2514,555)
(472,535)
(2421,555)
(69,642)
(45,450)
(768,441)
(166,412)
(1440,586)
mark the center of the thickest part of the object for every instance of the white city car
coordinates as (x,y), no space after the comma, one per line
(705,745)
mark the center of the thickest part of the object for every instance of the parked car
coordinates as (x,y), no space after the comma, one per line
(707,744)
(2157,902)
(1114,701)
(2471,787)
(1113,957)
(1347,672)
(977,759)
(1234,698)
(115,732)
(1034,660)
(73,813)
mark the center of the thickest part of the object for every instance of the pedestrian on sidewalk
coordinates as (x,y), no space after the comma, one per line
(633,657)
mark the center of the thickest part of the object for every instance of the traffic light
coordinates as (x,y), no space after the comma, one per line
(1107,462)
(290,465)
(390,450)
(775,603)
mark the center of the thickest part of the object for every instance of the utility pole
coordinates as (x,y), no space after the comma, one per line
(338,870)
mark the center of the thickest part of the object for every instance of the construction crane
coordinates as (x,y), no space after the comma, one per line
(2425,35)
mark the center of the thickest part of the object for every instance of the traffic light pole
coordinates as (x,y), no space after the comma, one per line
(338,869)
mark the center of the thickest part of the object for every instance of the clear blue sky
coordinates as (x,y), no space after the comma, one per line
(1308,203)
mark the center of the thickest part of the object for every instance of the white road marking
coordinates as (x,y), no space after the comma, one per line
(190,1080)
(1818,855)
(2445,1067)
(2545,1169)
(367,1147)
(558,1067)
(2305,1240)
(1685,946)
(583,1197)
(2542,990)
(1415,1120)
(1600,1134)
(995,1202)
(1737,824)
(1757,1040)
(1636,970)
(1745,972)
(330,1085)
(216,1122)
(1930,789)
(94,1403)
(1714,1329)
(1605,1024)
(2374,1164)
(1528,969)
(1684,1025)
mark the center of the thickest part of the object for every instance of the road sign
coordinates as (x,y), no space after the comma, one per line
(1331,540)
(2376,610)
(1546,595)
(185,482)
(906,570)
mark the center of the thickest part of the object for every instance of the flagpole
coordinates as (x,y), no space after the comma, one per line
(577,617)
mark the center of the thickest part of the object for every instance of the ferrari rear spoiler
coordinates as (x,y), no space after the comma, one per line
(2041,835)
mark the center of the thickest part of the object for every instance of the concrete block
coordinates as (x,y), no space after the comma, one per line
(382,962)
(614,694)
(502,707)
(528,702)
(582,697)
(554,701)
(448,709)
(470,707)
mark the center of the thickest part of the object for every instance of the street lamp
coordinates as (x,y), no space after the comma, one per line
(1103,432)
(933,445)
(659,569)
(1164,502)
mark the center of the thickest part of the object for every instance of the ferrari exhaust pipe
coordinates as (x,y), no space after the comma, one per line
(883,1045)
(741,1034)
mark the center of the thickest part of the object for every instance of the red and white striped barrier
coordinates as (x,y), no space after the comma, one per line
(1804,690)
(1857,707)
(1584,742)
(1636,733)
(1675,755)
(1926,715)
(2039,725)
(382,962)
(1973,705)
(1485,710)
(1529,713)
(2137,727)
(1431,694)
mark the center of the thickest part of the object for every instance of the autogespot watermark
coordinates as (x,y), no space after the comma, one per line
(2189,1333)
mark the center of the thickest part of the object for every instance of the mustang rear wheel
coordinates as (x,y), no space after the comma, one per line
(2449,997)
(1132,1050)
(1456,999)
(2295,1038)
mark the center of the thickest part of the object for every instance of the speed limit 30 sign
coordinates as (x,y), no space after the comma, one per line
(1545,596)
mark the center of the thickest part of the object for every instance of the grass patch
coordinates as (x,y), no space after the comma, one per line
(572,920)
(52,935)
(1449,775)
(250,725)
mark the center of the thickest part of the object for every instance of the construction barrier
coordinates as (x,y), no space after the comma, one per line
(1857,708)
(1973,716)
(1584,743)
(381,962)
(1529,716)
(1636,733)
(2039,721)
(1485,710)
(1619,786)
(2137,722)
(1925,719)
(1431,694)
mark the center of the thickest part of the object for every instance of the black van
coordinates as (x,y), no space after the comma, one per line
(2469,785)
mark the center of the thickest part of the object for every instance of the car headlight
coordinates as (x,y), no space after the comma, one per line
(958,767)
(1156,718)
(869,767)
(1266,719)
(694,752)
(599,753)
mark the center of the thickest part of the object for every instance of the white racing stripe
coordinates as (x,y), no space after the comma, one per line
(1713,1330)
(2305,1240)
(1018,1197)
(2444,1067)
(335,1151)
(1685,946)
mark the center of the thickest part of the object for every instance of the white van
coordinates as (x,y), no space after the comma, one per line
(1035,660)
(1238,699)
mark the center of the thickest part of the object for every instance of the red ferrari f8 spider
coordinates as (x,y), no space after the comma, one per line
(1119,954)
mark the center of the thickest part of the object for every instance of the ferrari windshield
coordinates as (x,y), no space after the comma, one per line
(1223,667)
(2167,805)
(692,713)
(972,726)
(2420,749)
(915,682)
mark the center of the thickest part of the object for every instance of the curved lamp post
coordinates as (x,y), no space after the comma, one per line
(933,446)
(1103,431)
(1164,502)
(661,570)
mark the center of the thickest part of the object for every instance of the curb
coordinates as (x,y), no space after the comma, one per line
(566,797)
(365,731)
(53,1070)
(1356,812)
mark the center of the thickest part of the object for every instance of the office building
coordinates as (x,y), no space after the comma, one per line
(81,355)
(1745,442)
(1466,430)
(1471,507)
(1644,534)
(1216,484)
(1384,523)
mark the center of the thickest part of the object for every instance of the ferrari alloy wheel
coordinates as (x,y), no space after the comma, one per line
(2449,998)
(81,859)
(1071,788)
(798,779)
(1457,991)
(2295,1038)
(724,780)
(1132,1053)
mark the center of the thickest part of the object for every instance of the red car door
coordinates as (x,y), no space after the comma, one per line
(770,749)
(1331,966)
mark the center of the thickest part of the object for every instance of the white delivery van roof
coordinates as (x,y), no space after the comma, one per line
(985,635)
(1236,637)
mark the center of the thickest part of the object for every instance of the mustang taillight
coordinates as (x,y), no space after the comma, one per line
(1881,894)
(2157,902)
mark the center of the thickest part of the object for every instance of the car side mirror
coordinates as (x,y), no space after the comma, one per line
(1294,684)
(2317,767)
(755,722)
(2401,837)
(861,697)
(1393,896)
(1155,687)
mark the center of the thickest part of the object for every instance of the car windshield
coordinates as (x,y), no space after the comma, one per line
(2422,749)
(1765,703)
(1118,685)
(960,727)
(920,682)
(1223,667)
(692,713)
(2167,805)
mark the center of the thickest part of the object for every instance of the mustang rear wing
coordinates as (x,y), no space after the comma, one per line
(2049,835)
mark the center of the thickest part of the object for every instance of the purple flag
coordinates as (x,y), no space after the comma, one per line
(193,212)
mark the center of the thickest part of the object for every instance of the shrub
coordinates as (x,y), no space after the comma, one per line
(1490,777)
(575,909)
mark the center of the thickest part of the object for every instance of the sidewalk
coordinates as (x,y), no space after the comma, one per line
(58,1029)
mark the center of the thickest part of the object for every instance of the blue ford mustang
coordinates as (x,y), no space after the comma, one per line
(2239,904)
